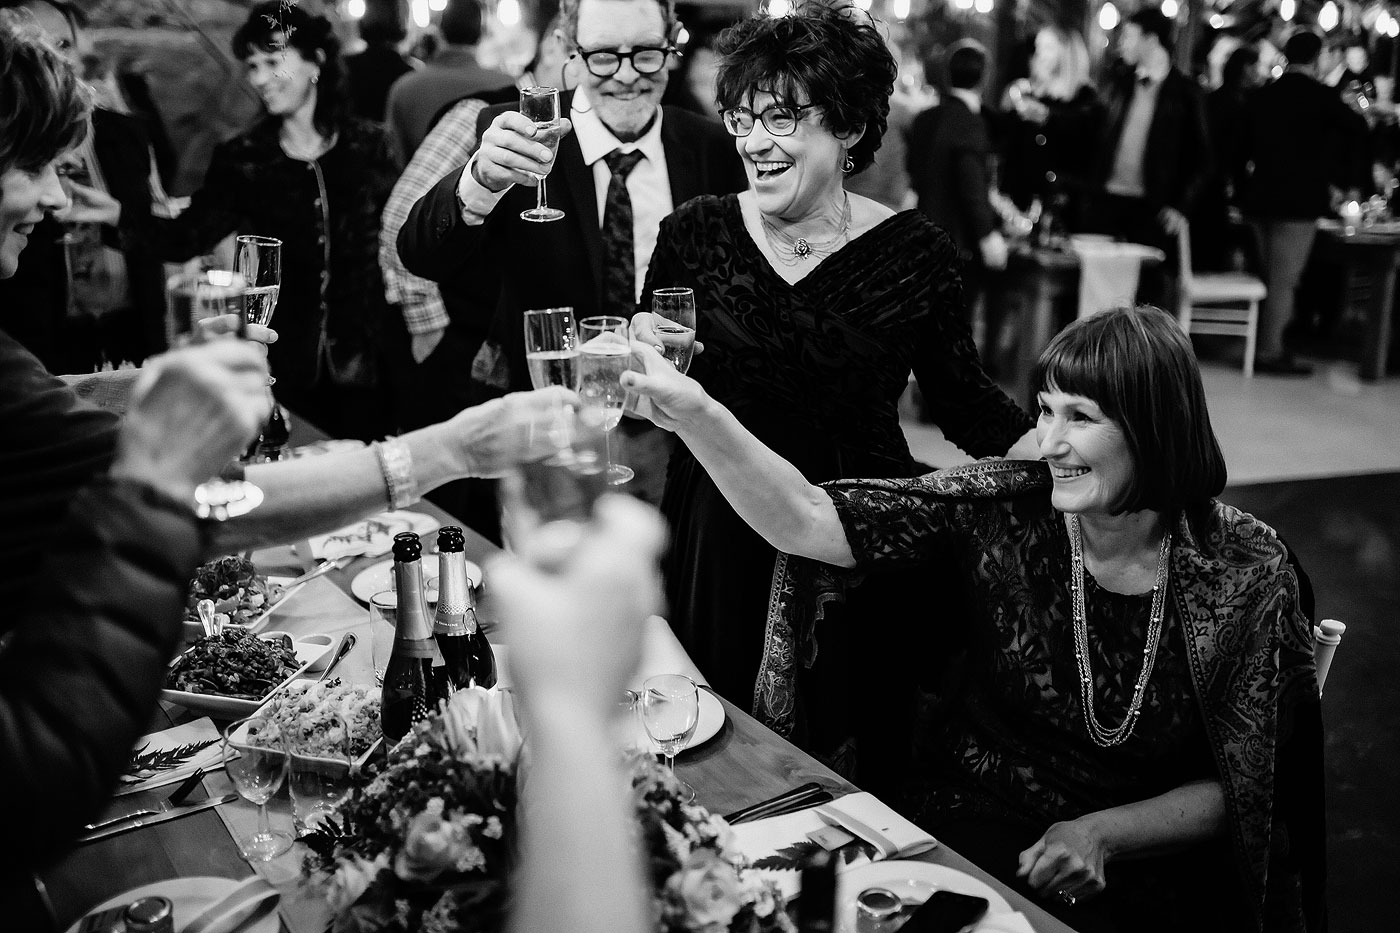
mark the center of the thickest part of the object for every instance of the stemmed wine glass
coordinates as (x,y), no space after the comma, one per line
(670,712)
(604,355)
(674,312)
(551,347)
(541,106)
(257,771)
(259,260)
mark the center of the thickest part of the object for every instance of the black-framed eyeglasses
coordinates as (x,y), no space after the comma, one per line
(779,119)
(646,60)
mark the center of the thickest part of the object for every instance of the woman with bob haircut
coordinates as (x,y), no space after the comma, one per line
(1136,736)
(813,304)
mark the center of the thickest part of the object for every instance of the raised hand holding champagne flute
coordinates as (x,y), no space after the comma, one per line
(604,355)
(540,105)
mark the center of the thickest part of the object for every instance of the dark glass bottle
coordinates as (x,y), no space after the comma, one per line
(816,903)
(465,650)
(415,679)
(274,435)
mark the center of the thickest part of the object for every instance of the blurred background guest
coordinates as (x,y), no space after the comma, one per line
(814,304)
(1298,137)
(1047,126)
(948,159)
(1218,238)
(370,72)
(1154,153)
(452,73)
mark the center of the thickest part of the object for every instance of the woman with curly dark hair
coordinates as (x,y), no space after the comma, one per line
(317,178)
(813,304)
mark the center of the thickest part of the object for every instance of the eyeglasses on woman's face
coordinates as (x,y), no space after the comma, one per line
(778,120)
(646,60)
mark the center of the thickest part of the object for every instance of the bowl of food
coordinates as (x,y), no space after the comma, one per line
(304,719)
(230,675)
(241,595)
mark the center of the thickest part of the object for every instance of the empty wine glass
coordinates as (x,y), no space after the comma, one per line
(257,771)
(551,347)
(670,712)
(604,355)
(318,781)
(383,622)
(540,105)
(673,311)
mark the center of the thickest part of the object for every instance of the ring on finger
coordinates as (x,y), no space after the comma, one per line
(1066,898)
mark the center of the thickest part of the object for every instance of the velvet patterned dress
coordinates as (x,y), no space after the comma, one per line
(815,370)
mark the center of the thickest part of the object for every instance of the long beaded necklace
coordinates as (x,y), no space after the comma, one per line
(802,248)
(1102,735)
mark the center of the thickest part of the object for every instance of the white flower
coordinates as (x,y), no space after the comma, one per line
(351,879)
(493,828)
(473,859)
(481,722)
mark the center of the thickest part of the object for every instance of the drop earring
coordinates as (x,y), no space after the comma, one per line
(850,165)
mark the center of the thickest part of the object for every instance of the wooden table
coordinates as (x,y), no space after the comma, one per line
(1374,255)
(744,763)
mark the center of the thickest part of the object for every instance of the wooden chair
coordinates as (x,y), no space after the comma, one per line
(1327,635)
(1224,303)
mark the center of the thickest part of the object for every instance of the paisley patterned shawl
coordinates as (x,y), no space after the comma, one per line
(1250,654)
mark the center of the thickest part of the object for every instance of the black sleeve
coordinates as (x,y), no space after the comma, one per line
(214,212)
(1197,149)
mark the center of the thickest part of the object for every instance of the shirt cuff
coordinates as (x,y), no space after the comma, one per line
(474,200)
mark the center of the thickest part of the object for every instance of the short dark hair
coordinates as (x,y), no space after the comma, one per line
(44,104)
(272,26)
(839,62)
(568,18)
(1302,47)
(382,22)
(1138,366)
(1154,22)
(967,64)
(1240,62)
(461,22)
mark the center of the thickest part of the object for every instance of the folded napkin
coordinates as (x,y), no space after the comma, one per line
(172,755)
(787,842)
(1108,273)
(373,537)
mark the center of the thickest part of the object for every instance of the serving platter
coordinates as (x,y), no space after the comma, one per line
(219,706)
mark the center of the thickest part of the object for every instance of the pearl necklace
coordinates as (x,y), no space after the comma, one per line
(1103,736)
(802,248)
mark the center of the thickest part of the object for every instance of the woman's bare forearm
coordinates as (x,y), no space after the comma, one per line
(1182,817)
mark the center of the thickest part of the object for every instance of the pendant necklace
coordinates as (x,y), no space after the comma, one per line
(1103,736)
(801,248)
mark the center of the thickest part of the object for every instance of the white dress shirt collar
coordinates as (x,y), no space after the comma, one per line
(967,96)
(595,140)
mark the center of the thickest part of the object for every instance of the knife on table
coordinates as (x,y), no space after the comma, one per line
(141,819)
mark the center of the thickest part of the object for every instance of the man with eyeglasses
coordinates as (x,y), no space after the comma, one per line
(625,163)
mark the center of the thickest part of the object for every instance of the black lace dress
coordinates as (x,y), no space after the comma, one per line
(814,369)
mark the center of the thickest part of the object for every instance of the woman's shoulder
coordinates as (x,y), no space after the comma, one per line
(1236,538)
(701,216)
(922,243)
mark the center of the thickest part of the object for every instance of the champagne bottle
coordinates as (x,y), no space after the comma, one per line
(415,679)
(465,650)
(816,903)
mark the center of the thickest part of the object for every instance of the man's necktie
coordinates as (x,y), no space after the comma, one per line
(619,265)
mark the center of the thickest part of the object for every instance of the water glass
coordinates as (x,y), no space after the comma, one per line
(673,313)
(551,347)
(670,713)
(257,772)
(540,105)
(318,782)
(604,355)
(191,297)
(548,502)
(383,621)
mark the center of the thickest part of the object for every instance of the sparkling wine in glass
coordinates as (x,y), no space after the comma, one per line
(259,261)
(540,105)
(257,771)
(670,713)
(604,355)
(551,347)
(673,314)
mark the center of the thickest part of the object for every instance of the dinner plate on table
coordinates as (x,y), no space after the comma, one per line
(189,897)
(912,882)
(374,536)
(380,577)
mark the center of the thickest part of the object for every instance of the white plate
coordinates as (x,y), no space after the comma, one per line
(380,577)
(225,707)
(373,536)
(189,897)
(912,882)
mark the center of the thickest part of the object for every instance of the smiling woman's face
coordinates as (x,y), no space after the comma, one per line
(792,176)
(1090,461)
(25,197)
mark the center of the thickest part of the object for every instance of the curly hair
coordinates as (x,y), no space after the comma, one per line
(44,105)
(835,60)
(275,25)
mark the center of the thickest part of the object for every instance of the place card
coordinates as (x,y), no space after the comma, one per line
(171,755)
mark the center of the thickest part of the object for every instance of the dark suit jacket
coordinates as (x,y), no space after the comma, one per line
(547,265)
(947,160)
(1178,158)
(1297,138)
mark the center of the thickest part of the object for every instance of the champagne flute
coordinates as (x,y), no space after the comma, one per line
(670,712)
(540,105)
(674,312)
(259,260)
(551,347)
(257,771)
(604,355)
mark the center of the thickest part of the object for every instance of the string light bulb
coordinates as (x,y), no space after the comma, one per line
(1329,16)
(1108,17)
(779,7)
(418,9)
(1287,9)
(1170,8)
(437,6)
(983,6)
(508,12)
(355,9)
(900,9)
